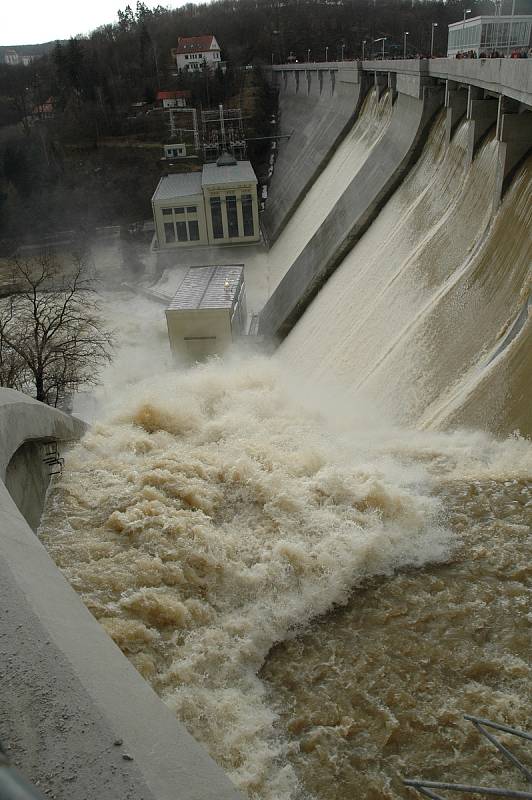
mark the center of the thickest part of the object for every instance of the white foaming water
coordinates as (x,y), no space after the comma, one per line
(212,518)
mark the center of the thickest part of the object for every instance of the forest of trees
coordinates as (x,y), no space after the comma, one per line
(54,175)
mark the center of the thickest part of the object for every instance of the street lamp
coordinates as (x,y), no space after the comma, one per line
(326,54)
(343,48)
(383,40)
(308,56)
(467,11)
(434,25)
(404,43)
(363,47)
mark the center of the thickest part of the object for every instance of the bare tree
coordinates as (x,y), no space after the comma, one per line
(52,338)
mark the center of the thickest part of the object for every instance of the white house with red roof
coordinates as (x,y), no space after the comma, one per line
(173,99)
(198,52)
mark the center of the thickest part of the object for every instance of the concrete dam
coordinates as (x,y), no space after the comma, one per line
(318,559)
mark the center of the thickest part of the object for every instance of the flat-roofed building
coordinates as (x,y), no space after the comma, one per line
(179,211)
(230,191)
(208,312)
(487,35)
(173,99)
(217,206)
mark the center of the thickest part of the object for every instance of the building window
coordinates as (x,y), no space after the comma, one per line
(169,232)
(216,216)
(193,230)
(181,229)
(247,215)
(167,212)
(232,216)
(179,210)
(192,209)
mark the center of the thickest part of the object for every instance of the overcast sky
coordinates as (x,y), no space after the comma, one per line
(34,21)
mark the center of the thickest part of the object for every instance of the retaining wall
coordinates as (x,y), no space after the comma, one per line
(77,718)
(317,105)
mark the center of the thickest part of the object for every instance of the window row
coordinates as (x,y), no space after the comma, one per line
(181,231)
(180,210)
(232,231)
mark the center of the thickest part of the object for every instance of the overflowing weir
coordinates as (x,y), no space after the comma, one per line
(318,560)
(415,309)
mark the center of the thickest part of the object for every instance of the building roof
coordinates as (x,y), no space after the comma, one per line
(45,108)
(484,18)
(180,185)
(208,287)
(173,95)
(196,44)
(238,172)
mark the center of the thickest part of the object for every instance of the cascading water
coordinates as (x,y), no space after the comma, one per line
(371,125)
(317,593)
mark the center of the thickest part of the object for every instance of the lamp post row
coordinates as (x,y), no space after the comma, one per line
(384,39)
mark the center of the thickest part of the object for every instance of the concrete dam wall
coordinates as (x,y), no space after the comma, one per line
(415,203)
(316,108)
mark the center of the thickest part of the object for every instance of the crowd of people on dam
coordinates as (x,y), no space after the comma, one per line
(496,54)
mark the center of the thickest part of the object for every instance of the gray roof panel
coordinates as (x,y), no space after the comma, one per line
(181,185)
(241,172)
(208,287)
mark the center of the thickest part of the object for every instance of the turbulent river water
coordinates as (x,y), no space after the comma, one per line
(317,581)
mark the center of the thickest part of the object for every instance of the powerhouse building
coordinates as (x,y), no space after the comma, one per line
(215,206)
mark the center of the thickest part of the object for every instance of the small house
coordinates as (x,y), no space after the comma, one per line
(176,150)
(173,99)
(208,312)
(197,52)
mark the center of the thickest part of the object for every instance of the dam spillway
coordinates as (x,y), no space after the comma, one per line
(418,274)
(314,579)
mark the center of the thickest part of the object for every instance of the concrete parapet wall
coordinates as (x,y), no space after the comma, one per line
(77,718)
(511,77)
(317,105)
(508,76)
(371,187)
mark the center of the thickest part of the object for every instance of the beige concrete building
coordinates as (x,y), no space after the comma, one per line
(208,312)
(217,206)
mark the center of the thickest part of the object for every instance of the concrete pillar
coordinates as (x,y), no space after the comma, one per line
(392,85)
(381,83)
(506,106)
(309,80)
(515,141)
(482,113)
(456,105)
(296,78)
